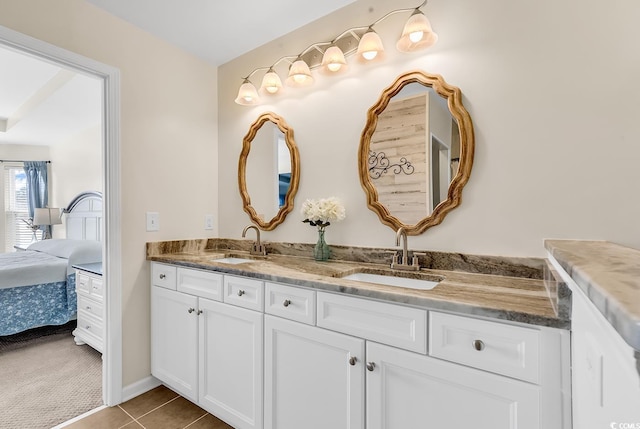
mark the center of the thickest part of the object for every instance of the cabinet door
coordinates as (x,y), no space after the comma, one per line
(407,390)
(231,351)
(174,340)
(309,380)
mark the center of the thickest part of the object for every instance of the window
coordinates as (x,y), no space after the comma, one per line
(16,211)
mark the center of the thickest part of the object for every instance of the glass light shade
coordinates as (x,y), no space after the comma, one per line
(47,216)
(417,34)
(271,82)
(333,59)
(299,74)
(370,45)
(247,94)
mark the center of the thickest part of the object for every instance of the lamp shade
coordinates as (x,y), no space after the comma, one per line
(271,82)
(247,94)
(333,59)
(417,33)
(47,216)
(370,45)
(299,74)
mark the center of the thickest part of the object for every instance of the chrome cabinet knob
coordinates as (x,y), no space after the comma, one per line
(191,310)
(199,312)
(371,366)
(87,327)
(478,345)
(353,360)
(88,307)
(287,302)
(240,292)
(162,276)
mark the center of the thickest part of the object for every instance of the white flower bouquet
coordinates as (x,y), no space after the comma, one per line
(322,212)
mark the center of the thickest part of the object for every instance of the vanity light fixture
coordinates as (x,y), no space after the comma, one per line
(364,41)
(271,82)
(299,74)
(370,45)
(333,59)
(247,94)
(417,33)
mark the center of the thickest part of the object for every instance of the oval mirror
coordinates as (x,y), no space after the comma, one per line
(416,152)
(268,171)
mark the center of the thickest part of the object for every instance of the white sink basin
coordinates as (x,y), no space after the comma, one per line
(232,260)
(392,281)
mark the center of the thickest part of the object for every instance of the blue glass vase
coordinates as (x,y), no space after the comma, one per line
(321,252)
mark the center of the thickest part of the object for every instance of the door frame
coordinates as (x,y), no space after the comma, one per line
(112,261)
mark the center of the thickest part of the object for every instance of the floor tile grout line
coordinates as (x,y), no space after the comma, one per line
(198,419)
(128,423)
(151,411)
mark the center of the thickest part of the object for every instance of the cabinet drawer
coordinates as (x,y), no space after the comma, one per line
(496,347)
(89,285)
(290,302)
(163,275)
(200,283)
(390,324)
(243,292)
(83,282)
(90,306)
(90,324)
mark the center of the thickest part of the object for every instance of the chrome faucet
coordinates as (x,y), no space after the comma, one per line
(257,248)
(403,263)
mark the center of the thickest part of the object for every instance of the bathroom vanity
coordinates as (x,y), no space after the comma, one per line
(284,342)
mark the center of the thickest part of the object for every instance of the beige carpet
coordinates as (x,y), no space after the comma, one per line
(46,379)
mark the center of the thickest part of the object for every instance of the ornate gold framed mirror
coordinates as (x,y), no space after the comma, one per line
(416,152)
(268,171)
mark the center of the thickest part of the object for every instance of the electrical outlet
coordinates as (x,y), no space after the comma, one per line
(208,222)
(153,221)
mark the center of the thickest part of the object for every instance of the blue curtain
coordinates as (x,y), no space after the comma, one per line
(37,187)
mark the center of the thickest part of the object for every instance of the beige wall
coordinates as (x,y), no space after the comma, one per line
(76,166)
(553,91)
(168,140)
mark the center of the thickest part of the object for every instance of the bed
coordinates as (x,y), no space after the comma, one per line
(37,286)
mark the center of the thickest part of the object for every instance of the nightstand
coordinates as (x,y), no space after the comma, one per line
(89,288)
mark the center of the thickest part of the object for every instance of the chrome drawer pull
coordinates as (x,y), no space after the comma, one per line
(478,345)
(371,366)
(240,292)
(287,302)
(162,276)
(352,360)
(199,312)
(191,310)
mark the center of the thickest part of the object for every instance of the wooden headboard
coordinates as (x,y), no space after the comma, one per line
(84,217)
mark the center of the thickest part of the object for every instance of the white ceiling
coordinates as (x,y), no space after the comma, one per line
(42,106)
(219,30)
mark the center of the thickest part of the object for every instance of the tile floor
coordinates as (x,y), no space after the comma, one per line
(159,408)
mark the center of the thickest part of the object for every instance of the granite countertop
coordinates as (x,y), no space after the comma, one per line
(518,299)
(609,274)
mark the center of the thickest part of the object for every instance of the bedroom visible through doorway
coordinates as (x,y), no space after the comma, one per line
(108,79)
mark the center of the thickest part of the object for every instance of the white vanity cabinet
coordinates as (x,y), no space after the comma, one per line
(343,362)
(208,351)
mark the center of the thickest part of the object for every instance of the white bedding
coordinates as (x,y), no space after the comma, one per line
(46,261)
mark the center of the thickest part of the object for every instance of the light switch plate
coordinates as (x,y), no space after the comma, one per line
(153,221)
(208,222)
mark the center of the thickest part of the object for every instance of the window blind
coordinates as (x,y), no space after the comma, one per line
(17,232)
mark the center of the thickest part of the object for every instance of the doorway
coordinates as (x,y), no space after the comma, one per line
(110,77)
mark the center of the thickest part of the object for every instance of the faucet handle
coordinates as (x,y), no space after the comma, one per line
(414,260)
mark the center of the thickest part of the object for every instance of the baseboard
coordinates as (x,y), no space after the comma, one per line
(139,387)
